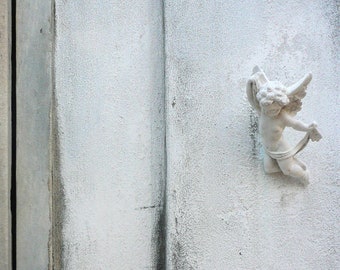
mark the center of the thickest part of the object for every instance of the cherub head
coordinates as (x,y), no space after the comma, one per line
(272,97)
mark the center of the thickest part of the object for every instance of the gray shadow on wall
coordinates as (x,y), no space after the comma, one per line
(158,152)
(58,195)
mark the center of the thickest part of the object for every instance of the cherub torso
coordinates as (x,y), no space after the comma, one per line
(271,130)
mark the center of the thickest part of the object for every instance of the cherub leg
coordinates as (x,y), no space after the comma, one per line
(303,165)
(294,168)
(270,164)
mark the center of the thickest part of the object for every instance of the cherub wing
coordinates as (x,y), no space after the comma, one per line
(296,93)
(257,79)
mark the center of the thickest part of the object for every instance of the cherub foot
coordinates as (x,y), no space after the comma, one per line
(305,178)
(272,169)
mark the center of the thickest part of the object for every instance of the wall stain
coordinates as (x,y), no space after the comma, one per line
(160,239)
(58,193)
(254,132)
(179,258)
(58,202)
(173,103)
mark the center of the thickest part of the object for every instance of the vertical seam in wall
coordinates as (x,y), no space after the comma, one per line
(13,135)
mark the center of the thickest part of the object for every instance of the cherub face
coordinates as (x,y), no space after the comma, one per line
(272,110)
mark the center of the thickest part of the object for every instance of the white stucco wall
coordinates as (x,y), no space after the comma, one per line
(110,133)
(224,212)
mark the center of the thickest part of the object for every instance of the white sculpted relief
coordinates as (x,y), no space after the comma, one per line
(277,105)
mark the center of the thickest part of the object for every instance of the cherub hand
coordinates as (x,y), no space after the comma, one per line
(314,134)
(312,126)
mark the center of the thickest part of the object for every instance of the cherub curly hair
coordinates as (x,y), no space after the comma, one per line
(272,91)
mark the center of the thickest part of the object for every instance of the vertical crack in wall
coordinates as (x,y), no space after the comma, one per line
(13,134)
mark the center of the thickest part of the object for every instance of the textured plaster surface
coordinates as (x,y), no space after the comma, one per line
(33,90)
(110,133)
(5,131)
(223,211)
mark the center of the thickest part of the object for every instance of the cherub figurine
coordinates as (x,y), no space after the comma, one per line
(276,106)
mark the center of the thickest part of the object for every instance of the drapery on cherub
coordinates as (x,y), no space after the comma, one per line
(276,106)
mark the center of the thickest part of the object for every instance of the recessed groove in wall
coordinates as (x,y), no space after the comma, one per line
(161,229)
(58,197)
(13,134)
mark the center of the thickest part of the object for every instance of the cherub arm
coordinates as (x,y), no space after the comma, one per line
(289,121)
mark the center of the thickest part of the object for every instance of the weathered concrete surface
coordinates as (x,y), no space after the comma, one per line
(224,212)
(34,88)
(109,133)
(5,134)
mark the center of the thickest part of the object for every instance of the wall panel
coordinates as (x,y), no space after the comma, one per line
(223,211)
(109,96)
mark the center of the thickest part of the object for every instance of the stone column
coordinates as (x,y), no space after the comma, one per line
(34,20)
